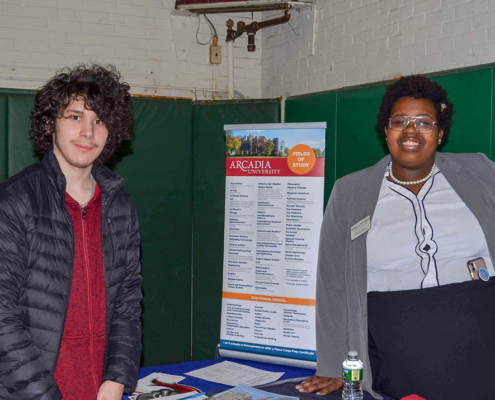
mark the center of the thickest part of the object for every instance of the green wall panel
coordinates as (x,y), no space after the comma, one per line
(159,173)
(320,107)
(471,93)
(359,144)
(209,207)
(20,151)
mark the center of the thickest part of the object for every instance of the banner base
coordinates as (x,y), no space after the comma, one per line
(243,355)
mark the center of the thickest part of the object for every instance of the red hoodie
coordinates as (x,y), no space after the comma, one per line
(79,370)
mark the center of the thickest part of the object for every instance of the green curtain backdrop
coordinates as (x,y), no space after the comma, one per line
(159,173)
(175,167)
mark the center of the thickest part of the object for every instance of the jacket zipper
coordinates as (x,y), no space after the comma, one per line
(90,303)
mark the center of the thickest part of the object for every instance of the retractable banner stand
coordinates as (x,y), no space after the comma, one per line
(273,215)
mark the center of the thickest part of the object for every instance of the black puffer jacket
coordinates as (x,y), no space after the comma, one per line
(36,258)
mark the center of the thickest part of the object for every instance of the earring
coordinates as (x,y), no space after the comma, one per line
(440,141)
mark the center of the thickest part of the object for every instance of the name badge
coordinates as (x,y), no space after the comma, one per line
(361,227)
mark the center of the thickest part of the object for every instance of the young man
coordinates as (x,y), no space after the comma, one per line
(70,284)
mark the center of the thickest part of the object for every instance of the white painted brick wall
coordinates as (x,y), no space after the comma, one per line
(364,41)
(358,41)
(38,37)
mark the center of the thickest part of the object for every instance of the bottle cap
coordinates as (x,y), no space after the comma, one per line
(352,353)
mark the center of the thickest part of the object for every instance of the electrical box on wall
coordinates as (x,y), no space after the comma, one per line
(215,55)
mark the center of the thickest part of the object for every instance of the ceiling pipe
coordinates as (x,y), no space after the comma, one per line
(252,28)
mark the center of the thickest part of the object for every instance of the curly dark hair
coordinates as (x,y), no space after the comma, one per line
(419,87)
(102,91)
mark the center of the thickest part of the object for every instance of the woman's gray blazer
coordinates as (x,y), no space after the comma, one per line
(341,289)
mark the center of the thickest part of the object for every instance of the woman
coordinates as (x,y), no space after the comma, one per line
(393,281)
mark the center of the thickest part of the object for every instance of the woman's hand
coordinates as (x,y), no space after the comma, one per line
(110,391)
(323,385)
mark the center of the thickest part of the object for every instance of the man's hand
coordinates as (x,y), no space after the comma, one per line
(110,391)
(323,385)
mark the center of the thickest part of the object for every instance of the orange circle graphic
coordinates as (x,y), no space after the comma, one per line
(301,159)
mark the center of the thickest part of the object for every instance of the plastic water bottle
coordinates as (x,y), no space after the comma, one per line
(352,375)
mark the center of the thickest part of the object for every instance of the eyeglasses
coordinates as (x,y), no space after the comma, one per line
(422,124)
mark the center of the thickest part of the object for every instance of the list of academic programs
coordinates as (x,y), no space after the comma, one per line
(273,215)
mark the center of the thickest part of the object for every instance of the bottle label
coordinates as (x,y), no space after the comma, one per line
(352,375)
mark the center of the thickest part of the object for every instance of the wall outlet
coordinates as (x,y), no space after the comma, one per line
(215,55)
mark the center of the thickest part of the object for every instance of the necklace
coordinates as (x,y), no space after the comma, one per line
(406,183)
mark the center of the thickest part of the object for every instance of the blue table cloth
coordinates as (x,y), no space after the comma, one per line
(287,388)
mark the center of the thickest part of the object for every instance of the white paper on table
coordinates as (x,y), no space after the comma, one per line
(233,374)
(146,385)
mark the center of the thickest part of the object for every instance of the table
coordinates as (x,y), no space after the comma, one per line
(286,388)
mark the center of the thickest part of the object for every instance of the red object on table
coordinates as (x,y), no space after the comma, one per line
(177,387)
(413,397)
